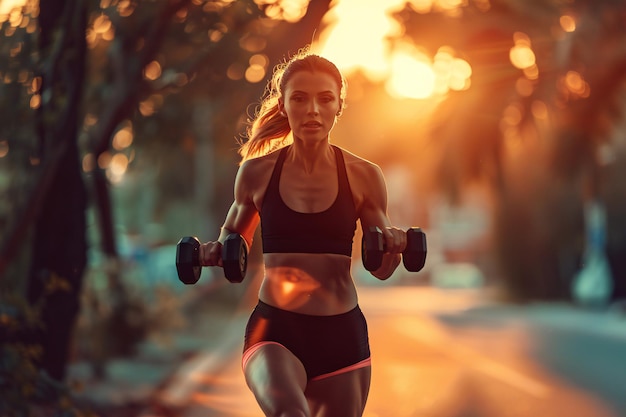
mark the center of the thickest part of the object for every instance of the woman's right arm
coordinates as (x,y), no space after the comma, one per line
(242,217)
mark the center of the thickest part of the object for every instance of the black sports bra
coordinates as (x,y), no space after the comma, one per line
(284,230)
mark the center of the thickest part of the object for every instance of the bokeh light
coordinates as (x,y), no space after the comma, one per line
(288,10)
(521,54)
(256,70)
(573,85)
(4,148)
(568,23)
(88,162)
(35,101)
(123,138)
(9,10)
(152,71)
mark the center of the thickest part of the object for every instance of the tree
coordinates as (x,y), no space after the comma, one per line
(534,132)
(81,91)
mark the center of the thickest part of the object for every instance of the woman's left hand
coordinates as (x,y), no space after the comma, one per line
(395,239)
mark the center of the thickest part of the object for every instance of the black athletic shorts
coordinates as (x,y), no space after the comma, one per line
(326,345)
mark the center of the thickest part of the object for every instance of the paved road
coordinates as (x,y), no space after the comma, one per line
(444,354)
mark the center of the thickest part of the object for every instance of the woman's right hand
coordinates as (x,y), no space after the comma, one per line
(210,254)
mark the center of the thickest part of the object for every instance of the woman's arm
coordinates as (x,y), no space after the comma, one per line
(373,212)
(242,217)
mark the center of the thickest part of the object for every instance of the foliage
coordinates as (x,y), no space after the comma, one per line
(109,327)
(25,389)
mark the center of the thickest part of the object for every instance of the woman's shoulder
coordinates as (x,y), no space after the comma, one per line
(358,164)
(260,162)
(257,170)
(365,177)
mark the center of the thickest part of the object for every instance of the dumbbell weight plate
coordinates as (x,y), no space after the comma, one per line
(235,258)
(414,256)
(188,260)
(372,248)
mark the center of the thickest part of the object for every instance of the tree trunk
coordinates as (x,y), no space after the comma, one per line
(59,247)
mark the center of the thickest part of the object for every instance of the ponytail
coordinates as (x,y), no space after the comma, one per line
(267,132)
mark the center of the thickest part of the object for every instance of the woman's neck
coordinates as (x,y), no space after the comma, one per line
(311,156)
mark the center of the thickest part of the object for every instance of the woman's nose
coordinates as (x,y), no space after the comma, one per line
(314,107)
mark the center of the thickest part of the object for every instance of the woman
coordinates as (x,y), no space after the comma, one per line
(306,351)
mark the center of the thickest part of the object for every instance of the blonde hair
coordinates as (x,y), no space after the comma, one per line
(269,130)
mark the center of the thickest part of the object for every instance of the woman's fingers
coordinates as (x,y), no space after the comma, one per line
(211,254)
(395,239)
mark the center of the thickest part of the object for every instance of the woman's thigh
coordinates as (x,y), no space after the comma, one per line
(342,395)
(277,379)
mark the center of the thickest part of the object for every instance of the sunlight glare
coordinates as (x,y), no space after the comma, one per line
(358,39)
(355,38)
(411,77)
(7,5)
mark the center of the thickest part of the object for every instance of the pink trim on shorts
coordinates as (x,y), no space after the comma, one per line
(252,350)
(363,364)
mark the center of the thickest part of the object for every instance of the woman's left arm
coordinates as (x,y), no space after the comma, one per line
(373,212)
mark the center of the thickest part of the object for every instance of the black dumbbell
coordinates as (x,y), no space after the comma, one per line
(234,259)
(413,256)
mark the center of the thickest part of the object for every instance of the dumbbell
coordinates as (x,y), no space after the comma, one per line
(373,247)
(234,259)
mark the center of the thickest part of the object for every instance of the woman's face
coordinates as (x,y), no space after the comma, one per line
(311,101)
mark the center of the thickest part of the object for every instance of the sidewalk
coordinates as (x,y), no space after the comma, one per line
(132,384)
(606,322)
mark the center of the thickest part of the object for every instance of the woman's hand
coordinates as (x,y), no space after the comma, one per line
(395,239)
(210,254)
(394,243)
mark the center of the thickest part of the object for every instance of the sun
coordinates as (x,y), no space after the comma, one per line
(355,36)
(357,39)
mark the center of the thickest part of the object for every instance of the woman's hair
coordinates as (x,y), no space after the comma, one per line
(269,130)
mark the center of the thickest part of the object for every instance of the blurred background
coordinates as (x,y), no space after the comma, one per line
(499,124)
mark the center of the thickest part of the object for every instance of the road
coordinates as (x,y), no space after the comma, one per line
(445,354)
